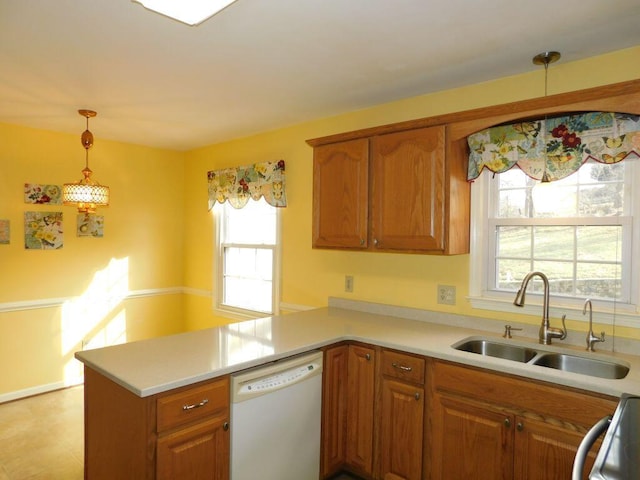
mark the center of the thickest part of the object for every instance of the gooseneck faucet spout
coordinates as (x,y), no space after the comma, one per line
(546,332)
(591,337)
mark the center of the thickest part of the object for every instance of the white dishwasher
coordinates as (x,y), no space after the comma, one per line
(275,420)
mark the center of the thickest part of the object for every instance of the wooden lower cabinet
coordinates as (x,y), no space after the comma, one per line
(491,426)
(200,451)
(469,441)
(156,437)
(373,411)
(401,431)
(334,410)
(361,376)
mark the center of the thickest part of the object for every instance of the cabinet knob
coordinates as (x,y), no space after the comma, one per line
(417,395)
(225,426)
(368,356)
(520,426)
(507,422)
(362,242)
(375,241)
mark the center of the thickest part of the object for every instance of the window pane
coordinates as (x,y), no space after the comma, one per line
(249,294)
(514,242)
(560,275)
(601,200)
(553,201)
(511,273)
(598,280)
(557,243)
(515,203)
(253,224)
(254,263)
(603,243)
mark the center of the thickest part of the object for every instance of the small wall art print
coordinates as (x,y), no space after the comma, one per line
(90,225)
(36,193)
(43,230)
(4,232)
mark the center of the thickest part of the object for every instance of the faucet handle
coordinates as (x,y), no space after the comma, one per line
(507,331)
(564,328)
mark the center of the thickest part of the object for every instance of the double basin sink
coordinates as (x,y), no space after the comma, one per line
(594,367)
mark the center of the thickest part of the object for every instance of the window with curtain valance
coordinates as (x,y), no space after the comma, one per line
(557,146)
(239,184)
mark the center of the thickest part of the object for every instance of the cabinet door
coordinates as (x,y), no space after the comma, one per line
(197,452)
(470,441)
(360,393)
(402,422)
(544,450)
(334,409)
(407,203)
(341,194)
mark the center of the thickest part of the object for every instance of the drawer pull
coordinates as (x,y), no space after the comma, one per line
(401,367)
(186,408)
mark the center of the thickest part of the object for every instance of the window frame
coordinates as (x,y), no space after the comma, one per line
(482,262)
(231,311)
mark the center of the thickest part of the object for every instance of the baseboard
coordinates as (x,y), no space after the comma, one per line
(30,392)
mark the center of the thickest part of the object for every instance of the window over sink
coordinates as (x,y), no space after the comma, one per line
(581,231)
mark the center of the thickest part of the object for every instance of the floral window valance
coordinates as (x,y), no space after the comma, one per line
(239,184)
(558,146)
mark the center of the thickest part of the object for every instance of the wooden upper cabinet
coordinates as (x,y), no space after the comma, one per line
(407,194)
(390,193)
(340,194)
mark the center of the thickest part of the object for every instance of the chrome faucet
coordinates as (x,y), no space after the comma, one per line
(546,332)
(591,337)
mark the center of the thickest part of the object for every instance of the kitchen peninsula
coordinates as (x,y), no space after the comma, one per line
(137,383)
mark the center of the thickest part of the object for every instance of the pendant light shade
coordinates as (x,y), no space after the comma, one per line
(86,194)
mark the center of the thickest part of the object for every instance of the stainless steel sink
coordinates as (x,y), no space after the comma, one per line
(566,362)
(586,366)
(497,349)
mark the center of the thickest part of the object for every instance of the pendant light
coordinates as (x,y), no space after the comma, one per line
(86,194)
(545,58)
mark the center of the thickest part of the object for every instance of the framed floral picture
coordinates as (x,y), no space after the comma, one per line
(43,230)
(36,193)
(90,225)
(4,232)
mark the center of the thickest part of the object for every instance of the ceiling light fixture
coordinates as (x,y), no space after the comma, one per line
(86,194)
(545,58)
(191,12)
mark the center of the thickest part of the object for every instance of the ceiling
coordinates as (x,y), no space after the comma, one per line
(264,64)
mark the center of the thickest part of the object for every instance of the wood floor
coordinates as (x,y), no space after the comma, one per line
(41,437)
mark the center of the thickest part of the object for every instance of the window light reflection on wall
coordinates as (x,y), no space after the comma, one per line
(191,12)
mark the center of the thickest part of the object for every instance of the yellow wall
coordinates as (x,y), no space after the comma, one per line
(141,251)
(159,234)
(311,276)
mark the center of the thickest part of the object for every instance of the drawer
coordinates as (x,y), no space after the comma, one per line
(403,366)
(192,404)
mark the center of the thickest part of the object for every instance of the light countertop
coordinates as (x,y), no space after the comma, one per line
(156,365)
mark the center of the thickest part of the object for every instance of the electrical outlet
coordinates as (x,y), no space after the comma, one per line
(447,294)
(348,283)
